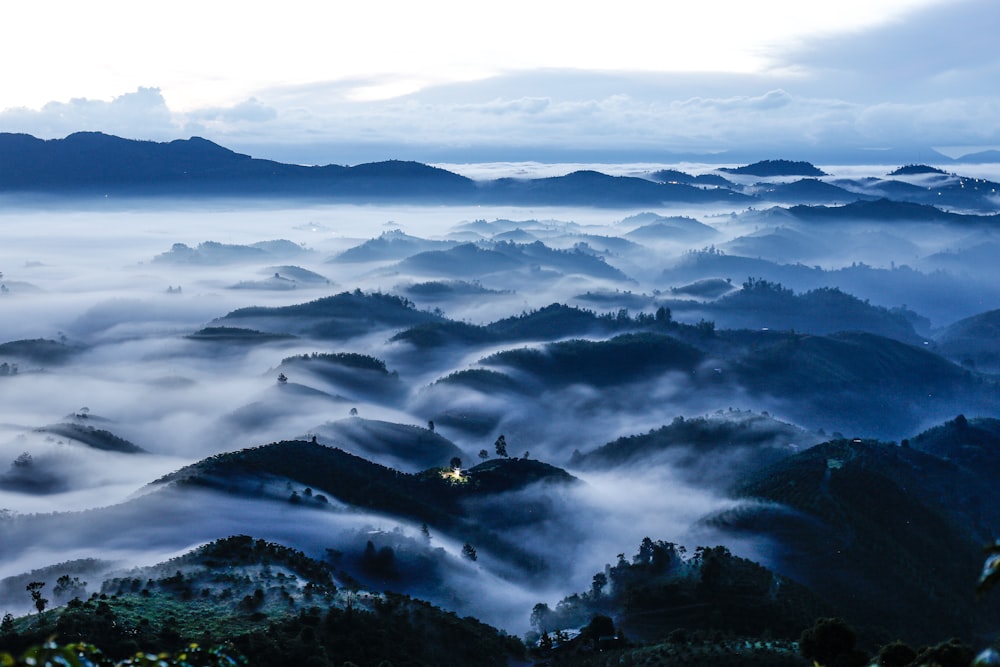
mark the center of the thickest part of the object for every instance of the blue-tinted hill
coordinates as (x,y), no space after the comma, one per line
(92,163)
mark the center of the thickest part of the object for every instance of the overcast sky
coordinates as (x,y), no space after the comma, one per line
(318,82)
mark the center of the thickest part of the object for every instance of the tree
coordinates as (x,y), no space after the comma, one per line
(501,446)
(282,378)
(7,625)
(23,461)
(830,641)
(483,454)
(896,654)
(541,617)
(430,425)
(469,551)
(597,587)
(455,463)
(67,587)
(35,589)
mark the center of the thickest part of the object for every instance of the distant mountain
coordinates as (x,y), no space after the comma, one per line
(548,323)
(214,253)
(391,245)
(913,169)
(472,261)
(356,481)
(400,446)
(622,359)
(92,163)
(973,341)
(654,227)
(863,379)
(339,316)
(822,311)
(93,437)
(776,168)
(359,374)
(983,157)
(807,190)
(971,443)
(735,443)
(593,188)
(674,176)
(884,210)
(98,163)
(38,350)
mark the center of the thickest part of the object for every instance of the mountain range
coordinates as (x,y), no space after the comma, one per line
(94,164)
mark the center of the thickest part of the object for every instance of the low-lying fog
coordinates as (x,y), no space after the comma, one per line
(108,285)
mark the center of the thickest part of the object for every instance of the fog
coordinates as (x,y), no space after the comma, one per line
(140,350)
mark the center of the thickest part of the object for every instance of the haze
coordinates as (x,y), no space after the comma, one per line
(109,283)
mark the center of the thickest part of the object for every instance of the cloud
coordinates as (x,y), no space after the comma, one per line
(943,50)
(248,111)
(923,79)
(142,114)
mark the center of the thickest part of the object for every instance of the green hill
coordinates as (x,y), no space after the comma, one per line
(713,449)
(882,532)
(272,604)
(621,359)
(340,316)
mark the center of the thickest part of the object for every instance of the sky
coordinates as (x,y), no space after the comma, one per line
(440,80)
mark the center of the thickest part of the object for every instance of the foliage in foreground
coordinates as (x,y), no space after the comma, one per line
(87,655)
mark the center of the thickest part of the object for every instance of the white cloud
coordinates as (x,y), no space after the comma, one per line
(142,114)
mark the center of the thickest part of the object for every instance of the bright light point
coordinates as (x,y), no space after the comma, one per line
(454,476)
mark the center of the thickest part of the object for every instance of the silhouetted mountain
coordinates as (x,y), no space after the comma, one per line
(391,245)
(271,604)
(674,176)
(356,481)
(879,531)
(472,261)
(974,341)
(360,374)
(93,437)
(807,190)
(621,359)
(214,253)
(340,316)
(970,443)
(706,288)
(716,449)
(884,210)
(825,310)
(548,323)
(591,188)
(867,381)
(95,162)
(653,227)
(446,289)
(38,350)
(776,168)
(236,335)
(298,274)
(938,295)
(662,591)
(400,446)
(913,169)
(981,157)
(784,244)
